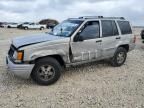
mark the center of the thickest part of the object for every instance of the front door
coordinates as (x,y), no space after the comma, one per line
(87,43)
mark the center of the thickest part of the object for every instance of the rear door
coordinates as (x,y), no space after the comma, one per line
(35,26)
(110,37)
(87,43)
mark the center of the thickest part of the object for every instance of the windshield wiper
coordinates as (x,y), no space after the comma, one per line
(61,35)
(61,30)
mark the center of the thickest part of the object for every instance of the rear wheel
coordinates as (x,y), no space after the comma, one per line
(26,28)
(119,57)
(8,26)
(42,28)
(46,71)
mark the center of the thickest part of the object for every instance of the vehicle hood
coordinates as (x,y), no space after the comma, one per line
(34,39)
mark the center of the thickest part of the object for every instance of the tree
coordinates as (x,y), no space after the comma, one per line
(49,22)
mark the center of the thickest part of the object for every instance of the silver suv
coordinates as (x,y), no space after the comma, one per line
(74,41)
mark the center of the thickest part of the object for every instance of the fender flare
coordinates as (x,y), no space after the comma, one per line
(45,53)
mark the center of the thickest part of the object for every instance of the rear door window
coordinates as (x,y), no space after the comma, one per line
(125,27)
(109,28)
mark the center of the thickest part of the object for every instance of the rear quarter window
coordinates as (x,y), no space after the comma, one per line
(125,27)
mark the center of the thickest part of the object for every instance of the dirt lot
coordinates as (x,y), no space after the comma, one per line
(90,85)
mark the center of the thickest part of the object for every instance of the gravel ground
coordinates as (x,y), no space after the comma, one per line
(90,85)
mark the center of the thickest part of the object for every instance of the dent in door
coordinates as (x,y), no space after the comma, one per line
(87,55)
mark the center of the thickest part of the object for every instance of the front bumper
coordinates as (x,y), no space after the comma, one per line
(20,70)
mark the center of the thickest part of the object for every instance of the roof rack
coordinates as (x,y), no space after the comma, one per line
(71,18)
(93,17)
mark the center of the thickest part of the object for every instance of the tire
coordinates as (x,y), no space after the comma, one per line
(26,28)
(46,71)
(8,26)
(142,34)
(119,57)
(42,28)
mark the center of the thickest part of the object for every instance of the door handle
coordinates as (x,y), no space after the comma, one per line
(98,41)
(118,37)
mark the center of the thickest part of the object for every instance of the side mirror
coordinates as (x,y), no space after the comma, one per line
(79,32)
(80,38)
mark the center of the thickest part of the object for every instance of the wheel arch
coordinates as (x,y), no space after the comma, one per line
(25,26)
(126,46)
(59,58)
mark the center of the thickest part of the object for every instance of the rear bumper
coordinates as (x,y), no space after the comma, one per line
(20,70)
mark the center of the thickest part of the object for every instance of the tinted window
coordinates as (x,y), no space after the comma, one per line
(125,27)
(91,30)
(109,28)
(32,24)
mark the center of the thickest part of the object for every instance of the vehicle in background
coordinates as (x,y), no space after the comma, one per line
(74,41)
(4,25)
(33,26)
(20,26)
(11,25)
(142,34)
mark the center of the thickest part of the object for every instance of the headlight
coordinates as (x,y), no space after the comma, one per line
(18,56)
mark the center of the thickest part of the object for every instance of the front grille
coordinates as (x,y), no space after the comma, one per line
(11,51)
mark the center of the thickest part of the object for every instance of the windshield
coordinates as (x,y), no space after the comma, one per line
(66,28)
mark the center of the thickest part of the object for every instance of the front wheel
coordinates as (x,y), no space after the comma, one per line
(46,71)
(119,57)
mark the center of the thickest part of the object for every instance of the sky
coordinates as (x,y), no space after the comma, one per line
(35,10)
